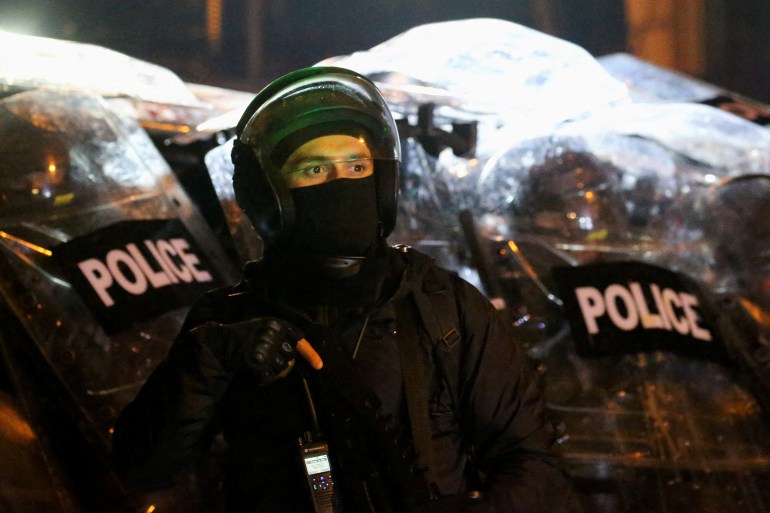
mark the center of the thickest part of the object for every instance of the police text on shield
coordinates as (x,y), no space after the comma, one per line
(170,261)
(628,309)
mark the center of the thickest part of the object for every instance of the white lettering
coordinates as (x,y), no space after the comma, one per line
(649,320)
(626,307)
(688,302)
(611,296)
(167,251)
(161,261)
(656,295)
(671,300)
(591,306)
(157,279)
(137,285)
(190,260)
(99,277)
(171,261)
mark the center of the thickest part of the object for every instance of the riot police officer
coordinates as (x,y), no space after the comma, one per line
(401,353)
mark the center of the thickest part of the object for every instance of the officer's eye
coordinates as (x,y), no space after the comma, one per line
(356,168)
(314,171)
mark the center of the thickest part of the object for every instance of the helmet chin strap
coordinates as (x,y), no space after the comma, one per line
(341,267)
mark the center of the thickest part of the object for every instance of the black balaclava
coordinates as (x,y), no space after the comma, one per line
(335,219)
(335,252)
(335,223)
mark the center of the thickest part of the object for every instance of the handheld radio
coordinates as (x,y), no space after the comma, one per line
(315,458)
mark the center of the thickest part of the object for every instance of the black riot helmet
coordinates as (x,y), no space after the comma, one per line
(303,105)
(737,217)
(573,195)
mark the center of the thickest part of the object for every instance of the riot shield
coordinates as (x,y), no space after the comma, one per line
(608,248)
(102,255)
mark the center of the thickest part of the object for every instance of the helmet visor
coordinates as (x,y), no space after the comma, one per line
(334,103)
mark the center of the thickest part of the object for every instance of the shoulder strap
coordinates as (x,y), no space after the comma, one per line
(430,304)
(438,310)
(435,301)
(413,366)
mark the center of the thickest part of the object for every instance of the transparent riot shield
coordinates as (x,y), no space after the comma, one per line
(101,255)
(609,248)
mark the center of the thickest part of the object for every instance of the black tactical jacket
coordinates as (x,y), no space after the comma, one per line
(486,417)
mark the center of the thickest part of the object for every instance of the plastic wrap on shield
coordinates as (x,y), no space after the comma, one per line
(565,201)
(639,191)
(647,82)
(496,71)
(28,61)
(718,143)
(74,178)
(709,148)
(220,167)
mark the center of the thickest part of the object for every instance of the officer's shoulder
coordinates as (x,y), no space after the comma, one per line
(438,279)
(414,257)
(434,277)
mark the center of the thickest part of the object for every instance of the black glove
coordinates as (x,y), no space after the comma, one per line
(263,347)
(272,354)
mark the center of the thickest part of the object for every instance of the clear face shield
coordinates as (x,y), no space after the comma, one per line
(327,158)
(324,127)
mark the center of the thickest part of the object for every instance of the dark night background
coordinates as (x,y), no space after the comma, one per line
(263,39)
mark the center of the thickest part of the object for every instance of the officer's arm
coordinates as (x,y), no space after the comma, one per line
(172,420)
(503,411)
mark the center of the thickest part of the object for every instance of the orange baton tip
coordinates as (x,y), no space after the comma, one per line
(308,353)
